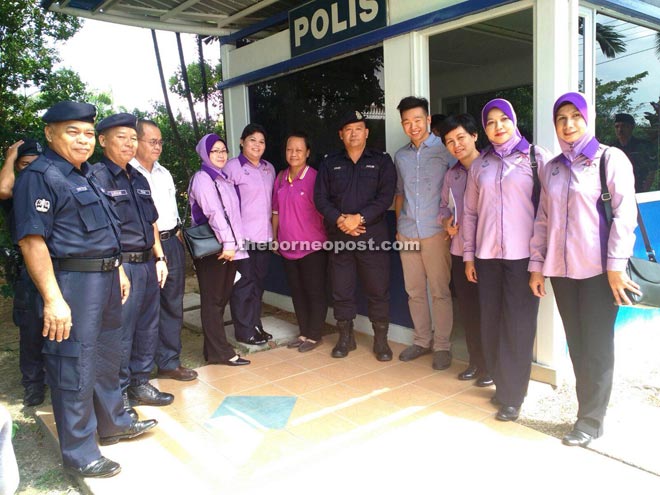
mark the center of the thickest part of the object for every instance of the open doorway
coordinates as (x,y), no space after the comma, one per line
(491,59)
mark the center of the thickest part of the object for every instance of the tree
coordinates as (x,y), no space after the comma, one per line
(614,97)
(213,76)
(28,40)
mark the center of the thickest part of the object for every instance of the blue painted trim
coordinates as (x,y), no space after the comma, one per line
(423,21)
(633,8)
(232,38)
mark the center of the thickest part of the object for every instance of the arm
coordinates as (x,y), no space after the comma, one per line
(621,184)
(538,244)
(57,314)
(322,197)
(386,185)
(7,176)
(445,217)
(124,284)
(161,266)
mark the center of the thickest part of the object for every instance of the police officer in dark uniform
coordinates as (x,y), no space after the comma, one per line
(69,237)
(354,189)
(140,244)
(28,306)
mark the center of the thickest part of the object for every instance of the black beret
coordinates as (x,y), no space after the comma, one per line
(117,120)
(30,147)
(70,110)
(624,117)
(351,117)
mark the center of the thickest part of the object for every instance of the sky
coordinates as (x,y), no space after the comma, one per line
(120,60)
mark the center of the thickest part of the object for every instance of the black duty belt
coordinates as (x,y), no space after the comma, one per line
(137,256)
(87,264)
(165,235)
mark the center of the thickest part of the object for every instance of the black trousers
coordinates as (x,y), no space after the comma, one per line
(245,302)
(508,325)
(588,312)
(168,351)
(373,269)
(215,280)
(467,295)
(28,317)
(307,280)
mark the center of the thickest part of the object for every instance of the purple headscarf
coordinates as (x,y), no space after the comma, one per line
(203,149)
(587,144)
(506,108)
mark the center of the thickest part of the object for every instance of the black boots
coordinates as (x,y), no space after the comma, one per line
(346,342)
(381,347)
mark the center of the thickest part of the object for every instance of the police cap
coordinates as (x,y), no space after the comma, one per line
(30,147)
(626,118)
(70,110)
(117,120)
(350,118)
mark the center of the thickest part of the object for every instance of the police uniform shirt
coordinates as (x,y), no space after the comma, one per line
(130,194)
(56,201)
(365,187)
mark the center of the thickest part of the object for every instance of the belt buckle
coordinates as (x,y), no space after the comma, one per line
(110,264)
(165,236)
(134,258)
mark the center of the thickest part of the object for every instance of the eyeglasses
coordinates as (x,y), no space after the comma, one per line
(154,142)
(219,152)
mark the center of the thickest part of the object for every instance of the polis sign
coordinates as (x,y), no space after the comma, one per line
(323,22)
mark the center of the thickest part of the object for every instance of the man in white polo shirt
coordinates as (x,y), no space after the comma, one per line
(163,192)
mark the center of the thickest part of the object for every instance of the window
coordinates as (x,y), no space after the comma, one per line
(314,99)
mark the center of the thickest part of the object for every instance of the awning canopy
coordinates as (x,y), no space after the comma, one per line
(206,17)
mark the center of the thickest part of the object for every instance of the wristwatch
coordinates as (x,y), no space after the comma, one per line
(161,258)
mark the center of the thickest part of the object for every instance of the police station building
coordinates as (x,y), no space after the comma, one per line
(291,65)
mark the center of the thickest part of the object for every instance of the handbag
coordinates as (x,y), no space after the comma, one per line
(201,240)
(644,272)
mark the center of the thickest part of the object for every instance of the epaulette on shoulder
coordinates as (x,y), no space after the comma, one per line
(40,165)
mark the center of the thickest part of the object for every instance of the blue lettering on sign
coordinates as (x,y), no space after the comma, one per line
(324,22)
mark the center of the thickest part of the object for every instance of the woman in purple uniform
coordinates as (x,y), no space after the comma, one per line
(585,258)
(498,222)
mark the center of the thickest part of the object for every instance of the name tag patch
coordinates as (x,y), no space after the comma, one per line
(117,192)
(144,192)
(42,205)
(370,166)
(81,188)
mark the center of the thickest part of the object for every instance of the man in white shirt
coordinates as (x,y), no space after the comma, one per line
(163,192)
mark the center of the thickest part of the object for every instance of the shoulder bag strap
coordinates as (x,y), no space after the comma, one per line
(225,211)
(606,197)
(536,190)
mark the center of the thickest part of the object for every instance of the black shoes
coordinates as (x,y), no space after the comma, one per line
(100,468)
(148,395)
(239,361)
(127,407)
(263,334)
(136,429)
(469,374)
(441,360)
(381,347)
(309,345)
(179,373)
(484,381)
(577,438)
(34,395)
(254,340)
(413,352)
(346,342)
(508,413)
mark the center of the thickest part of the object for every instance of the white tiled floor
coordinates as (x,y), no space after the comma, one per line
(358,426)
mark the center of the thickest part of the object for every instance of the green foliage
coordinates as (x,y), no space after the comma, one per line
(213,77)
(611,43)
(614,97)
(28,40)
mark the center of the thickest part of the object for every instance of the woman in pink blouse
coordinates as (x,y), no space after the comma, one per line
(300,235)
